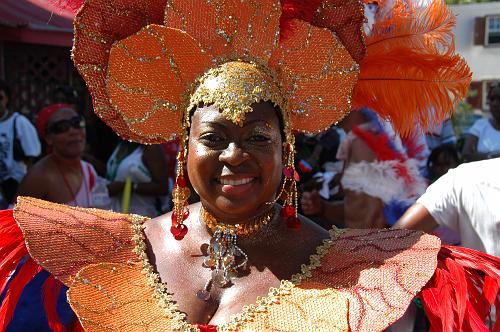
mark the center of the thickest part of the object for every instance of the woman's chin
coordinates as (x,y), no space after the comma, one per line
(237,208)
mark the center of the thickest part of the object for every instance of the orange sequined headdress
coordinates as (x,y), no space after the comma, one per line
(147,63)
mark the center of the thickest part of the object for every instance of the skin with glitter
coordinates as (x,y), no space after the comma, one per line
(237,171)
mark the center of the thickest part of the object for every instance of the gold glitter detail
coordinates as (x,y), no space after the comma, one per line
(318,90)
(233,87)
(369,276)
(311,75)
(88,235)
(236,321)
(228,29)
(276,295)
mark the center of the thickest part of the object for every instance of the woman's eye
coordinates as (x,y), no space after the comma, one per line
(212,138)
(259,138)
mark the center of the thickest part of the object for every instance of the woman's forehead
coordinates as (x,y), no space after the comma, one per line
(262,112)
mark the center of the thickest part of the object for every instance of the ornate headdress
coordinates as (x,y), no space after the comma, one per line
(149,63)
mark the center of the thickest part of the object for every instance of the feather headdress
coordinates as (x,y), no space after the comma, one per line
(408,71)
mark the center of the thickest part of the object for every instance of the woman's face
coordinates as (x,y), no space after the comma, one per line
(65,134)
(235,170)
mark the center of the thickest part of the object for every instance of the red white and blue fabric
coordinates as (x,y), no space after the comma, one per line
(394,176)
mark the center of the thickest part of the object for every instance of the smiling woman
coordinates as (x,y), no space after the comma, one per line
(232,80)
(236,170)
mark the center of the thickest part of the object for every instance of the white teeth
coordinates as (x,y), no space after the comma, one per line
(235,182)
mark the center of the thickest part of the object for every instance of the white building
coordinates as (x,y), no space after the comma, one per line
(478,41)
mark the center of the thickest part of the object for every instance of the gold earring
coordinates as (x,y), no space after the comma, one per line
(289,189)
(180,196)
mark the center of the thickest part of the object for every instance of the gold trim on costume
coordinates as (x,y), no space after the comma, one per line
(249,311)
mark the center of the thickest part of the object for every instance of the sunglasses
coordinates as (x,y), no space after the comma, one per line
(65,125)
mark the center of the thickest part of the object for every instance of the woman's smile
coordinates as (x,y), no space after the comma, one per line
(236,185)
(236,169)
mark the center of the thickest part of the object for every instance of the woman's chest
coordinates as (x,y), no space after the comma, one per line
(200,292)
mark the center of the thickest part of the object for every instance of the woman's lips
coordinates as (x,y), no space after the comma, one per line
(236,186)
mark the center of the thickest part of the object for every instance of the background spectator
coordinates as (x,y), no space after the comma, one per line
(442,159)
(483,139)
(19,144)
(465,200)
(146,166)
(444,133)
(61,176)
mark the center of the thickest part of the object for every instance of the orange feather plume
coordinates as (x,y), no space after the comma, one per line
(406,24)
(411,88)
(410,74)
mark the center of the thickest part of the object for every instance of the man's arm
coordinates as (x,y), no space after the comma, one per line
(417,217)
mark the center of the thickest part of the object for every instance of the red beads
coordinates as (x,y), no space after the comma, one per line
(179,231)
(288,172)
(180,182)
(289,214)
(293,222)
(175,218)
(288,211)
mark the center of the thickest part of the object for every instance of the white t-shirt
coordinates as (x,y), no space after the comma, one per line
(467,200)
(27,135)
(488,137)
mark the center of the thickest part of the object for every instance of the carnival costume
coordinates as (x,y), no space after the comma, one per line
(394,176)
(149,64)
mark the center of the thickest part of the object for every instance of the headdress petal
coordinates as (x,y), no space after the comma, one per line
(153,70)
(318,75)
(229,29)
(98,25)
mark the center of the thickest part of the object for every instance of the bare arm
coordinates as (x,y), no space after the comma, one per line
(313,205)
(417,217)
(34,184)
(363,211)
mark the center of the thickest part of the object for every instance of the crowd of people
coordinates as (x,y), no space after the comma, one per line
(65,171)
(324,230)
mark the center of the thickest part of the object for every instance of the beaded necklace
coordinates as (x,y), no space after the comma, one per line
(225,258)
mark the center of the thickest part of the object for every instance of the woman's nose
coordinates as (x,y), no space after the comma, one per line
(233,155)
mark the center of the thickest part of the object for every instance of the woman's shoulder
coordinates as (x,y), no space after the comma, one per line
(370,267)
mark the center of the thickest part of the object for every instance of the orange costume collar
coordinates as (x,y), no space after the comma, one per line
(359,280)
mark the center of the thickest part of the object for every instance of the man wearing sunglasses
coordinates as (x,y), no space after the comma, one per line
(19,145)
(61,176)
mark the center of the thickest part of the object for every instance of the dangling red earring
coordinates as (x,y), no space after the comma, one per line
(180,196)
(289,189)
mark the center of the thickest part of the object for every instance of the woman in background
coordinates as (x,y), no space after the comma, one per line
(145,165)
(483,139)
